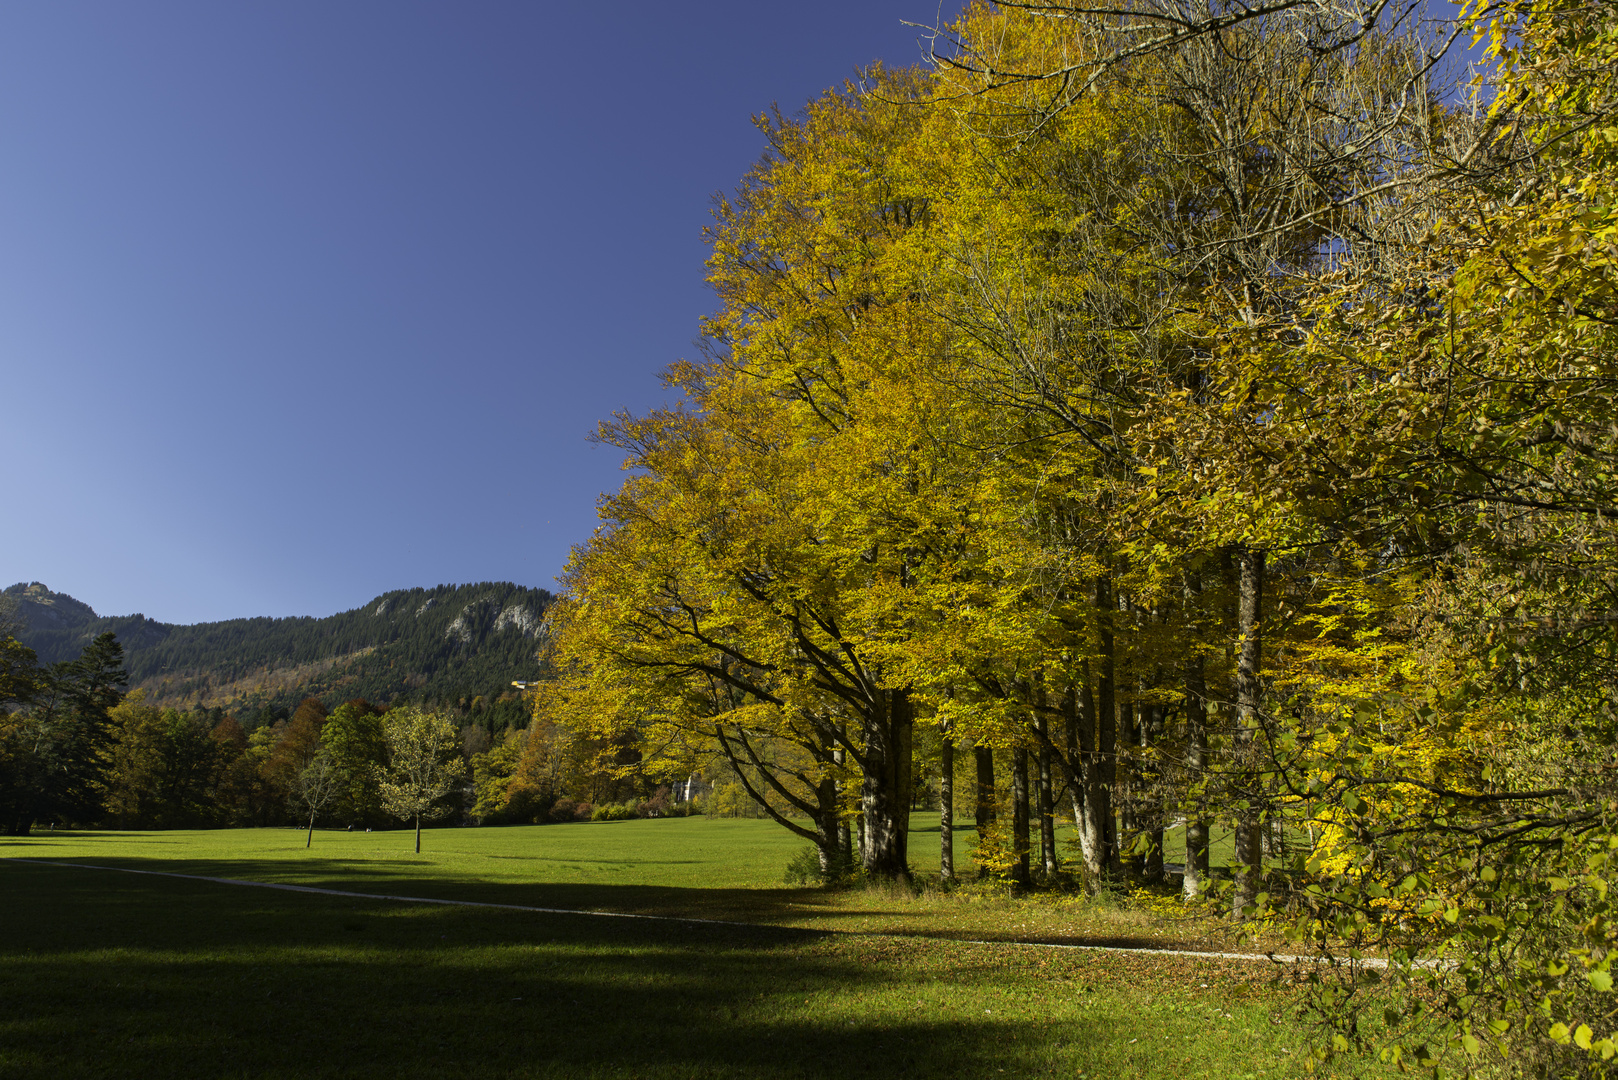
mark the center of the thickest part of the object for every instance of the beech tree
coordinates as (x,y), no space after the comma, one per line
(1188,406)
(424,765)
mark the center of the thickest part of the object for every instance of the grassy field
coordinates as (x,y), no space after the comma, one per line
(113,974)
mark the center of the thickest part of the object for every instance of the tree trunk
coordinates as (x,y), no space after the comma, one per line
(1101,727)
(1249,822)
(307,844)
(1129,784)
(418,834)
(1196,759)
(885,795)
(946,806)
(1079,765)
(845,832)
(1047,823)
(1019,816)
(1092,833)
(1106,729)
(984,807)
(828,831)
(1151,794)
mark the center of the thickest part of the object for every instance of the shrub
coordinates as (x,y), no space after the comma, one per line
(658,805)
(563,810)
(583,812)
(804,869)
(614,812)
(525,803)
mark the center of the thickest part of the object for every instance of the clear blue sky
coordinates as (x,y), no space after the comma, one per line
(305,301)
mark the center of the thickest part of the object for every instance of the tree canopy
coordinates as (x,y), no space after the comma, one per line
(1206,409)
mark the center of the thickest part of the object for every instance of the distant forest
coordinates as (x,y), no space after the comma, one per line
(460,645)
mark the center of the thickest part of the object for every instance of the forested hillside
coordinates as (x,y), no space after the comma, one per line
(441,644)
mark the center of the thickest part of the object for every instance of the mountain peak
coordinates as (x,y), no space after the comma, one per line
(42,609)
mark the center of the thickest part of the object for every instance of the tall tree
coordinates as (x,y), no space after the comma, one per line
(352,736)
(54,751)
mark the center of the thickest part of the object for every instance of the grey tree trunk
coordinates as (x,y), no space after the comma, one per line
(1073,756)
(418,834)
(1249,822)
(1129,788)
(984,789)
(845,834)
(1092,833)
(1019,816)
(946,806)
(1151,794)
(1196,760)
(310,842)
(1047,821)
(885,794)
(1106,729)
(828,831)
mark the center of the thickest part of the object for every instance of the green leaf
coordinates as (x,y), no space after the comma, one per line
(1581,1037)
(1601,980)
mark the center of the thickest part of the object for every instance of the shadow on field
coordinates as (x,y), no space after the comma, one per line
(405,877)
(105,974)
(40,838)
(808,911)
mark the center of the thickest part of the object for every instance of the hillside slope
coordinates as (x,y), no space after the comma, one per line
(443,643)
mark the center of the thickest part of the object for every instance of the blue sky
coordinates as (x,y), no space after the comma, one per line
(301,302)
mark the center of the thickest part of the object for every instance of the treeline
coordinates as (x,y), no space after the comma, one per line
(443,644)
(1204,411)
(76,750)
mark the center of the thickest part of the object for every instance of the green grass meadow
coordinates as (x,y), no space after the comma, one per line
(106,974)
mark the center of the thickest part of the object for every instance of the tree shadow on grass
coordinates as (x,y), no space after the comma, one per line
(809,909)
(123,975)
(41,840)
(405,877)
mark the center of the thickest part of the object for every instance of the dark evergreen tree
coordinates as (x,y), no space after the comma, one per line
(52,754)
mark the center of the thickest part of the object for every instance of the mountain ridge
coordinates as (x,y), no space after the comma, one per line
(444,643)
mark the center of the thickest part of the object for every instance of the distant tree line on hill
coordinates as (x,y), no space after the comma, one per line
(445,644)
(76,749)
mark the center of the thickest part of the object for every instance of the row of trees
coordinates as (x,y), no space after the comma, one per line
(76,749)
(55,721)
(1208,408)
